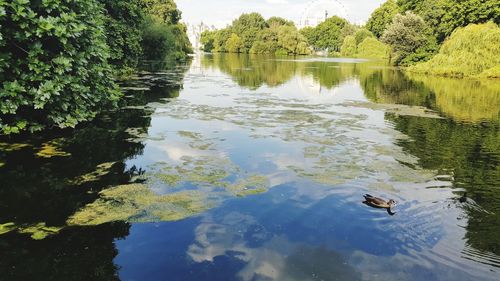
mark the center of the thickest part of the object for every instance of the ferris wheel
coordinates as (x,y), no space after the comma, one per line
(318,11)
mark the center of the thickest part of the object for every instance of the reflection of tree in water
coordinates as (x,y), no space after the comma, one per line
(462,100)
(252,71)
(75,254)
(47,178)
(471,154)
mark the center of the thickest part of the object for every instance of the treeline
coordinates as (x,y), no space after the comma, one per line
(408,32)
(59,59)
(251,33)
(442,31)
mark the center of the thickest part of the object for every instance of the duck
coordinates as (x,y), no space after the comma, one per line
(380,203)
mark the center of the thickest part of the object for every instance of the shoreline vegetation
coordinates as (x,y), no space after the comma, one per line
(437,37)
(60,61)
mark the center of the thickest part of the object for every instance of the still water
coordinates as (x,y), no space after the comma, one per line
(252,168)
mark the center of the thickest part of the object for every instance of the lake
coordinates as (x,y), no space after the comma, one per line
(236,167)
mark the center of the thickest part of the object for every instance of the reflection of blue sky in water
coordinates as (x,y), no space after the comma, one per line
(295,232)
(319,154)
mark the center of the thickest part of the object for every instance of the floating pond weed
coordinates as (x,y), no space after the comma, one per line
(52,149)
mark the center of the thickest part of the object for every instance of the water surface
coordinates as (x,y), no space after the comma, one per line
(253,168)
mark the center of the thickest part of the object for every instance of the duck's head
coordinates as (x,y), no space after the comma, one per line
(391,202)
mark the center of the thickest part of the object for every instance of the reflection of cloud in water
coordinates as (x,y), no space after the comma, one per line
(267,257)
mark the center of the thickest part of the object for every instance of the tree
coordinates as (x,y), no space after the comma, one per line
(220,39)
(164,11)
(444,16)
(53,66)
(310,35)
(234,44)
(277,21)
(330,34)
(267,41)
(207,40)
(247,26)
(348,48)
(410,38)
(361,34)
(291,41)
(122,23)
(382,17)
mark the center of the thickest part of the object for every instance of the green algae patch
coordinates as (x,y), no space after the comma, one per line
(398,109)
(10,147)
(7,227)
(169,179)
(39,231)
(101,170)
(138,203)
(52,149)
(2,164)
(252,185)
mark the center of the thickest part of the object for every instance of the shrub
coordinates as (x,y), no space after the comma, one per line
(161,41)
(470,51)
(53,64)
(410,38)
(348,48)
(372,48)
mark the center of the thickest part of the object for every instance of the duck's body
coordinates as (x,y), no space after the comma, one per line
(378,202)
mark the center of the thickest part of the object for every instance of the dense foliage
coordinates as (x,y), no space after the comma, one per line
(382,17)
(363,44)
(58,59)
(329,34)
(439,18)
(122,24)
(251,33)
(470,51)
(444,16)
(410,38)
(53,64)
(373,48)
(349,47)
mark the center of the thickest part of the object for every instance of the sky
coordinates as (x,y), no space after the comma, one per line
(220,13)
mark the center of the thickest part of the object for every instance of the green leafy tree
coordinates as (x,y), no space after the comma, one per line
(122,23)
(277,21)
(410,38)
(220,39)
(267,41)
(234,44)
(310,35)
(382,17)
(207,41)
(349,46)
(247,26)
(291,41)
(163,41)
(361,34)
(164,11)
(53,64)
(444,16)
(330,34)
